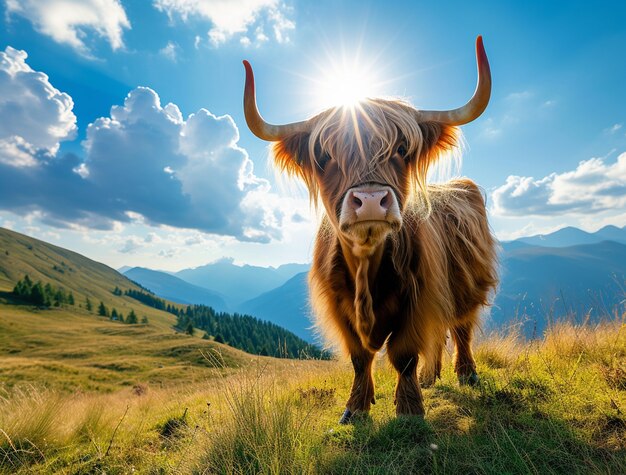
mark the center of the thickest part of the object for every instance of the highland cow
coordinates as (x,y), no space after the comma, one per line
(397,262)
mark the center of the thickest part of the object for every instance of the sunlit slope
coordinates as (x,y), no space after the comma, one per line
(20,255)
(71,349)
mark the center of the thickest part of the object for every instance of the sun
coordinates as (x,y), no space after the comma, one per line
(344,83)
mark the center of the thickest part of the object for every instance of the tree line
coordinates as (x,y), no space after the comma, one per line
(116,316)
(244,332)
(42,295)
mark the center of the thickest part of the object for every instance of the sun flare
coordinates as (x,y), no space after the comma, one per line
(345,84)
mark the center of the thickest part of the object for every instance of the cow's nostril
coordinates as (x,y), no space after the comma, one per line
(385,201)
(357,202)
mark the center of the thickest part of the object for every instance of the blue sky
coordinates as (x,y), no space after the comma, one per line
(93,158)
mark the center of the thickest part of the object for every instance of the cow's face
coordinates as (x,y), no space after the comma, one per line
(365,164)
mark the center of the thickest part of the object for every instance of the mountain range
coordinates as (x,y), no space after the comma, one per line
(239,283)
(571,236)
(543,277)
(177,290)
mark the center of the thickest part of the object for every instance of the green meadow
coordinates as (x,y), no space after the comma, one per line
(82,394)
(79,399)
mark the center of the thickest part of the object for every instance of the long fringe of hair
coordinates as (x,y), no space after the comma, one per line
(362,138)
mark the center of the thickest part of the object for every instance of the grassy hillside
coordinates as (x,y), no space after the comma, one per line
(21,255)
(551,406)
(68,351)
(86,279)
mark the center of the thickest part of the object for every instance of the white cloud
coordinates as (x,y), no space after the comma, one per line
(16,152)
(232,18)
(34,115)
(68,21)
(146,164)
(170,51)
(613,129)
(594,186)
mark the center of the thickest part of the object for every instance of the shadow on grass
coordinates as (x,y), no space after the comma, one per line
(486,430)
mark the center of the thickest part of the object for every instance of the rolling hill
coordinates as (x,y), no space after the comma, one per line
(22,255)
(78,349)
(177,290)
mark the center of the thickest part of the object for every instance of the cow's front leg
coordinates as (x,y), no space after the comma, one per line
(362,393)
(408,399)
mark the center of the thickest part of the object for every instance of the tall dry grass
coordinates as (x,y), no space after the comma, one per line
(548,406)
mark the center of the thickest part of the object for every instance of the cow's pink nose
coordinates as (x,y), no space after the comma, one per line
(369,205)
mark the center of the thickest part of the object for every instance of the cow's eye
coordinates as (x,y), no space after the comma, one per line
(402,150)
(323,160)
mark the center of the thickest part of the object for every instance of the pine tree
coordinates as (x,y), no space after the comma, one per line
(114,315)
(132,318)
(144,320)
(70,298)
(59,297)
(28,284)
(88,305)
(38,295)
(190,330)
(102,310)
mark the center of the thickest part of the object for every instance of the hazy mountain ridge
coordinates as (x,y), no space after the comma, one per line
(571,236)
(239,283)
(537,282)
(287,306)
(177,290)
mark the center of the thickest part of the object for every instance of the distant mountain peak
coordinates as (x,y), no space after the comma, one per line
(572,236)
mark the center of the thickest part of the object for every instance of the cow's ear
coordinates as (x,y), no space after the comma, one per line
(291,155)
(439,139)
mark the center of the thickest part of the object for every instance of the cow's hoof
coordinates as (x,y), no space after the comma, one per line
(346,417)
(471,379)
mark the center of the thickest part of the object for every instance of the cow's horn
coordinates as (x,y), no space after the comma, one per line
(257,125)
(476,105)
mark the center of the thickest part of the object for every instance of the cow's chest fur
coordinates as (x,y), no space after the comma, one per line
(390,300)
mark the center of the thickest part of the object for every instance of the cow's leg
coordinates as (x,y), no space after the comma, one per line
(362,393)
(432,369)
(464,364)
(408,398)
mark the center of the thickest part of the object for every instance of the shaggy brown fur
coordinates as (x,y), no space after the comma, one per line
(410,286)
